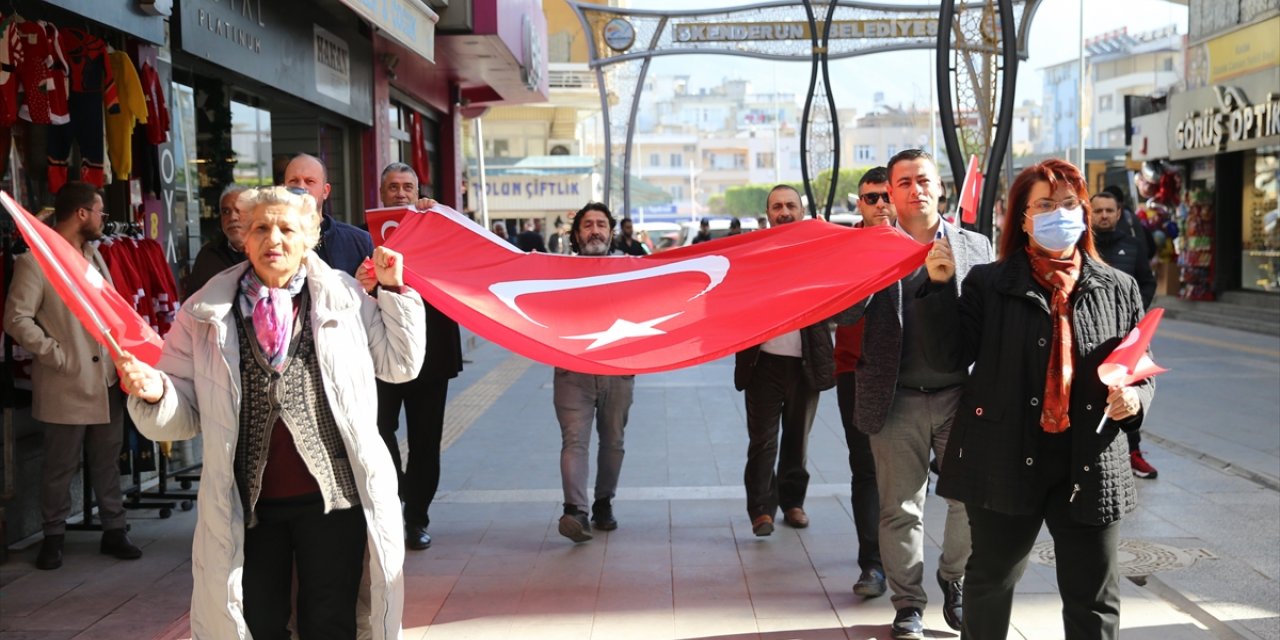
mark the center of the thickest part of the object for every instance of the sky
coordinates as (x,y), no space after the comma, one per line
(904,76)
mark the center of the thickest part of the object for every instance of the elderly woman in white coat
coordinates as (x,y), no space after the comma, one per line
(274,364)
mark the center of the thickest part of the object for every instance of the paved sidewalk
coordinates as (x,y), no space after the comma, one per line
(683,563)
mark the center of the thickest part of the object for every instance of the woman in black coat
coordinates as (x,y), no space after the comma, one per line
(1024,449)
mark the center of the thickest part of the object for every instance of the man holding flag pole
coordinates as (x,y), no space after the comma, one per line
(74,391)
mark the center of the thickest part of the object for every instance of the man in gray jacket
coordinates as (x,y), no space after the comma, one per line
(73,384)
(907,405)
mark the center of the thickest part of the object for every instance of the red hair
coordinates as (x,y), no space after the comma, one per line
(1056,173)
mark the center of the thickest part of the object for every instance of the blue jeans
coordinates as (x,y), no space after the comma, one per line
(580,399)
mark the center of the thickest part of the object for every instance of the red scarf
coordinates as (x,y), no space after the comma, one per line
(1059,277)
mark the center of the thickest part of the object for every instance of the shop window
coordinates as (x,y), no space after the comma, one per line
(401,115)
(251,144)
(1260,246)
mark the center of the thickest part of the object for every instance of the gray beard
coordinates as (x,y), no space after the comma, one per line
(595,248)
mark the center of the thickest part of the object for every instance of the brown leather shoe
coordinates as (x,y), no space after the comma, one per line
(762,525)
(795,517)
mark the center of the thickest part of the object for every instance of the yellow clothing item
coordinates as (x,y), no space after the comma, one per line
(133,111)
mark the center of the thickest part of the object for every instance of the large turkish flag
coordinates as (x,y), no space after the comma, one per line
(626,315)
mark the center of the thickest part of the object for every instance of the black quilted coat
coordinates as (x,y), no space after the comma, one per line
(1001,325)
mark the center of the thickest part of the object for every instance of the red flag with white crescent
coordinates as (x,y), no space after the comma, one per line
(615,315)
(1129,362)
(383,222)
(98,306)
(970,193)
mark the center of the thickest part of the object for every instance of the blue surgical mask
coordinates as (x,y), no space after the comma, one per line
(1058,230)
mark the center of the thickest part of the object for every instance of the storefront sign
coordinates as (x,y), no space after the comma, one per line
(408,22)
(1232,119)
(333,66)
(1243,51)
(317,56)
(839,30)
(537,193)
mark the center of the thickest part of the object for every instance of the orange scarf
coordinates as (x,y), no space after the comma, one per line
(1059,277)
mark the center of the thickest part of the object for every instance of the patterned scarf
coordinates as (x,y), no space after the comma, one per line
(272,311)
(1059,277)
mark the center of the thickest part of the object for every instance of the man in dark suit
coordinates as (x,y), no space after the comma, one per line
(531,238)
(781,379)
(906,404)
(1125,250)
(423,397)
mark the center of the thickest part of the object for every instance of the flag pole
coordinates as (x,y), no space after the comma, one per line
(37,243)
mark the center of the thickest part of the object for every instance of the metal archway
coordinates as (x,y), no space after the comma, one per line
(621,42)
(974,65)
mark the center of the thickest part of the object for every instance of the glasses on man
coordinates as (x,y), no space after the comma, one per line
(872,198)
(1045,205)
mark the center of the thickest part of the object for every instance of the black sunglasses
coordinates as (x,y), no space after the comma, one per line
(873,198)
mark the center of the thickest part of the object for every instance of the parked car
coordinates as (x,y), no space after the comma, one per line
(658,236)
(719,228)
(845,219)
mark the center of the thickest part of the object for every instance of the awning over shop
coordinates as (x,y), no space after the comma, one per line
(409,22)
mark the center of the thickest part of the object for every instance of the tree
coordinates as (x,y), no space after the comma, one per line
(715,205)
(747,200)
(845,185)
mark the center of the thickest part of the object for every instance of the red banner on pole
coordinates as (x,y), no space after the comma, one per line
(970,193)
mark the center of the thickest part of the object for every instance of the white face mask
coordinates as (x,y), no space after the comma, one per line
(1058,230)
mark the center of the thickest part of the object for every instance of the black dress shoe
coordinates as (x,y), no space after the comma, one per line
(953,601)
(115,542)
(908,624)
(602,516)
(50,556)
(416,537)
(870,584)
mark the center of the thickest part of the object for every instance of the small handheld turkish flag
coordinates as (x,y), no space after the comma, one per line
(112,321)
(970,192)
(1129,363)
(382,222)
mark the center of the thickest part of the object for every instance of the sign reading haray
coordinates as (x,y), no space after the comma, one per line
(840,29)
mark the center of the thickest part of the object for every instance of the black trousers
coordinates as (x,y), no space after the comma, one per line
(777,395)
(1088,576)
(865,499)
(424,400)
(328,550)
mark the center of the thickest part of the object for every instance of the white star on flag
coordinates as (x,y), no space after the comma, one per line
(621,330)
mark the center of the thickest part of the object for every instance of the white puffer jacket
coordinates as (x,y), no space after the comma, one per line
(356,339)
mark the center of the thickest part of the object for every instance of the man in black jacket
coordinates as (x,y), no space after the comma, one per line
(782,379)
(423,397)
(1127,253)
(342,246)
(625,243)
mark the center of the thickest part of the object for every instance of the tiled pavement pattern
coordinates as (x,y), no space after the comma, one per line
(683,563)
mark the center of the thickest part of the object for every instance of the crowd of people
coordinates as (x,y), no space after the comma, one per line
(299,343)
